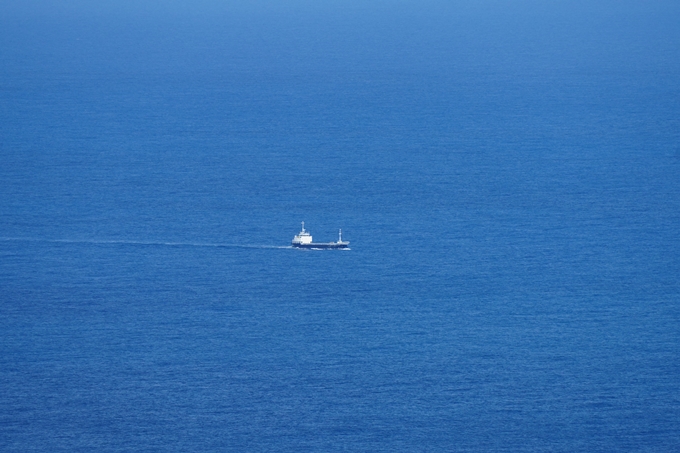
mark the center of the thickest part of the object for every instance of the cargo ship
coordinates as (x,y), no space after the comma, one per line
(304,240)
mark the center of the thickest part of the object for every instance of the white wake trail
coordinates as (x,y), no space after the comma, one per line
(144,243)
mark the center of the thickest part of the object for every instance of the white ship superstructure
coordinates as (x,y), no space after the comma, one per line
(302,238)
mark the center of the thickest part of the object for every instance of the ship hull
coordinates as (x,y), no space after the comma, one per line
(323,245)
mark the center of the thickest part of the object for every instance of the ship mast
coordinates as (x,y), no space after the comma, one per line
(340,235)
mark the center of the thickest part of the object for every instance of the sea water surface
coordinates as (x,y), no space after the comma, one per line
(508,175)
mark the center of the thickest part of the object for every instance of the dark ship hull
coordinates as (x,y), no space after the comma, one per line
(323,245)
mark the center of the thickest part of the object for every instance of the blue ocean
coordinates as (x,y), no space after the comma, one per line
(507,174)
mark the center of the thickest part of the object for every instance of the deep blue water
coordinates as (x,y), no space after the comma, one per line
(508,176)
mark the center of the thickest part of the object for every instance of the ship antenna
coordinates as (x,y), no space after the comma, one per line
(303,227)
(340,235)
